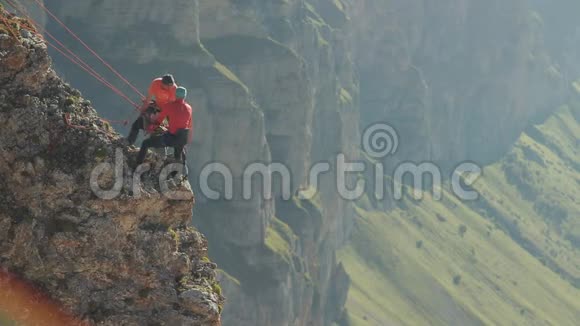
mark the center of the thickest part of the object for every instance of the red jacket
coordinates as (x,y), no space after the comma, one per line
(179,114)
(160,95)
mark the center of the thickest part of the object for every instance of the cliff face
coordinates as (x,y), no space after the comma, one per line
(296,65)
(458,79)
(130,260)
(272,82)
(294,81)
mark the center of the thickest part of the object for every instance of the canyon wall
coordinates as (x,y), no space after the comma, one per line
(458,79)
(296,82)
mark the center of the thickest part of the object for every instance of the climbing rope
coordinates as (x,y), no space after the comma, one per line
(103,61)
(71,56)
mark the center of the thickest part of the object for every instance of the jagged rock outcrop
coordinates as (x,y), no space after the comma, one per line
(291,81)
(130,260)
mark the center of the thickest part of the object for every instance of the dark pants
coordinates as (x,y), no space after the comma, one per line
(139,124)
(177,141)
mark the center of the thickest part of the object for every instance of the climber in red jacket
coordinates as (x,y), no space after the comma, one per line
(161,92)
(179,114)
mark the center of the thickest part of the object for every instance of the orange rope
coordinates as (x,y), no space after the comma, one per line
(41,5)
(73,57)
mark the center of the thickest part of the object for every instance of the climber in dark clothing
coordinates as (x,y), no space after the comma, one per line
(144,122)
(179,114)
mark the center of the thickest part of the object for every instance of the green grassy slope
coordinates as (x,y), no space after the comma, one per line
(510,258)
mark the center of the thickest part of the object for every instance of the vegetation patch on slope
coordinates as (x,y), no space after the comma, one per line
(279,239)
(507,259)
(240,49)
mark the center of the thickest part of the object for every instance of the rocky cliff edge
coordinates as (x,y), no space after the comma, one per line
(130,260)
